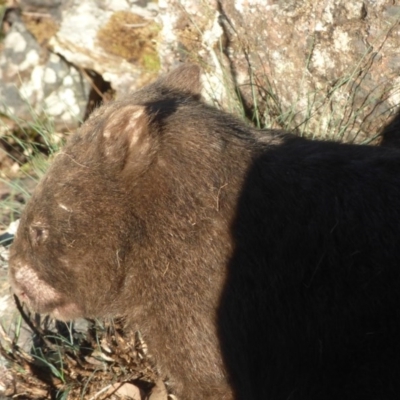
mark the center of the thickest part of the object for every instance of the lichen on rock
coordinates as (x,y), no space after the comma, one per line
(131,37)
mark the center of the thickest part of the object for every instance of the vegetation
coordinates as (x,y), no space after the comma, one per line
(95,363)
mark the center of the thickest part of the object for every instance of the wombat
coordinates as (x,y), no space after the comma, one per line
(256,264)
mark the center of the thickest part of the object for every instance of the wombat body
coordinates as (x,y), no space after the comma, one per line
(257,265)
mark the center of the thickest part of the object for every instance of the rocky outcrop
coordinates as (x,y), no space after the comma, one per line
(326,69)
(329,69)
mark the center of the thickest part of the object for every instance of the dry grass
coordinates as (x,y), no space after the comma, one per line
(66,363)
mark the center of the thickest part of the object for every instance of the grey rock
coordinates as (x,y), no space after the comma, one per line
(35,82)
(304,62)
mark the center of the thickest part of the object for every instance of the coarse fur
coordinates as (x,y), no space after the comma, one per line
(257,265)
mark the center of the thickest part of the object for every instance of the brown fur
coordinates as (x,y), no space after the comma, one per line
(263,259)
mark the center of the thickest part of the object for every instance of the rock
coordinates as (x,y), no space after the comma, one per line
(329,68)
(57,53)
(104,38)
(36,83)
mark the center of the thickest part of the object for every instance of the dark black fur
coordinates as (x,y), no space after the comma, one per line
(311,306)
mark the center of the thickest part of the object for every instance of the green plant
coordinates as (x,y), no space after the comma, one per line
(26,148)
(76,364)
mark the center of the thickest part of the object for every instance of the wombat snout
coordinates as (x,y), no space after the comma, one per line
(39,295)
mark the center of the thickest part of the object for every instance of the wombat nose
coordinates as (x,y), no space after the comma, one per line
(15,270)
(20,276)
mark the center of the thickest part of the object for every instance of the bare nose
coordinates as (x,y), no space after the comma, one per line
(16,278)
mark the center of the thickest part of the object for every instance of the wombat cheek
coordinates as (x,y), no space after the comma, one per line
(40,296)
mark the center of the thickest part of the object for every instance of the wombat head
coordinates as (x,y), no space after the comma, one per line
(133,192)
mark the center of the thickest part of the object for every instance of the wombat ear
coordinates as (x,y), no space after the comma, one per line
(125,137)
(185,78)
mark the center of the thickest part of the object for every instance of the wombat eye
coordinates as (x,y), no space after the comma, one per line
(38,234)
